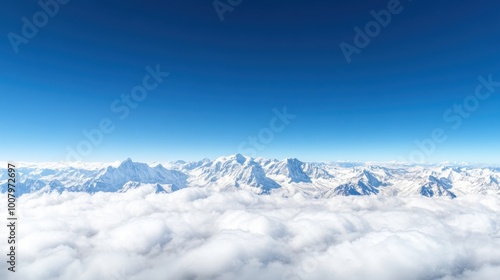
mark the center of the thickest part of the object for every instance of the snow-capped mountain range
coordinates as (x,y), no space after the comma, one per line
(263,176)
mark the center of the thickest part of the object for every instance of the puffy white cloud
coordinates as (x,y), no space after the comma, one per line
(198,234)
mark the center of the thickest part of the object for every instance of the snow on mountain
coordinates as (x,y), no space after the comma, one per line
(438,187)
(263,176)
(364,183)
(113,179)
(231,172)
(106,179)
(159,188)
(183,166)
(316,171)
(288,170)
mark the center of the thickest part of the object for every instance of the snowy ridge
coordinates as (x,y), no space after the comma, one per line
(263,176)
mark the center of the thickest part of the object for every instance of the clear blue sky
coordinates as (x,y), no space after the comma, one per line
(227,76)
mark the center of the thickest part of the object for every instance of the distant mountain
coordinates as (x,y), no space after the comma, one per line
(113,178)
(363,184)
(263,176)
(437,187)
(108,179)
(231,172)
(291,168)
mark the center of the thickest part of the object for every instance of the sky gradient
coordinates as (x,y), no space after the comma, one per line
(227,79)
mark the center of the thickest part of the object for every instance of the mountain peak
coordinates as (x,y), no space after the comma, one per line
(126,162)
(291,168)
(260,175)
(293,160)
(239,158)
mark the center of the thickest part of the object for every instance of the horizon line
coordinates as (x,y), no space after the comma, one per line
(394,162)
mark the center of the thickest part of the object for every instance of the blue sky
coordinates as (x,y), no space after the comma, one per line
(226,77)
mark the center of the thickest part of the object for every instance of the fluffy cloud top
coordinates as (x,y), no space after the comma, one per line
(198,234)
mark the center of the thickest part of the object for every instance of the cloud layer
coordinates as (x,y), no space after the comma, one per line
(198,234)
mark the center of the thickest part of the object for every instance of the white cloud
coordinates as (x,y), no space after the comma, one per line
(197,234)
